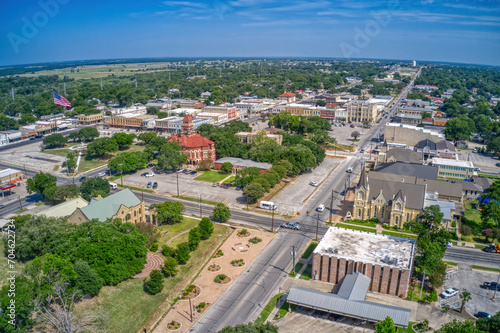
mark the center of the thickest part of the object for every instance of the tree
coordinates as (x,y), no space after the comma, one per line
(206,227)
(301,157)
(280,170)
(268,151)
(151,232)
(490,214)
(128,161)
(27,118)
(263,181)
(194,238)
(170,266)
(151,110)
(494,145)
(205,165)
(221,212)
(65,192)
(320,102)
(287,165)
(24,306)
(101,147)
(493,191)
(385,326)
(246,175)
(457,326)
(40,183)
(459,128)
(465,296)
(430,217)
(182,253)
(226,167)
(355,135)
(55,140)
(74,136)
(253,191)
(171,156)
(88,133)
(55,312)
(489,324)
(272,177)
(146,137)
(92,187)
(88,281)
(251,328)
(123,140)
(70,162)
(154,284)
(169,212)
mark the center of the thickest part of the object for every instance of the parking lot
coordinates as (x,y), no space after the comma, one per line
(305,321)
(480,160)
(471,280)
(167,183)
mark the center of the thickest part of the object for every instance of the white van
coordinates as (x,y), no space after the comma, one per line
(267,205)
(320,208)
(113,186)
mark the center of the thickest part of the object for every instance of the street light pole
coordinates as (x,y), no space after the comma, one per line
(331,208)
(20,202)
(293,256)
(201,209)
(495,293)
(272,220)
(177,184)
(317,225)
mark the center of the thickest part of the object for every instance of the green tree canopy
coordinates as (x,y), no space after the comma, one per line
(253,191)
(226,167)
(169,212)
(146,137)
(154,284)
(171,156)
(65,192)
(55,140)
(459,128)
(221,212)
(101,147)
(128,161)
(206,227)
(88,133)
(123,140)
(194,238)
(40,183)
(385,326)
(94,186)
(88,282)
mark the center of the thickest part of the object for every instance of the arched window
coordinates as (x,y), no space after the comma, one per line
(359,212)
(375,211)
(398,206)
(397,219)
(128,217)
(361,195)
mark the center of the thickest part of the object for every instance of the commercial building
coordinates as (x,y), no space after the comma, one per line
(302,110)
(453,168)
(362,111)
(400,155)
(386,260)
(409,134)
(287,97)
(194,146)
(239,163)
(123,205)
(129,120)
(426,87)
(229,111)
(442,149)
(215,118)
(90,119)
(248,137)
(10,176)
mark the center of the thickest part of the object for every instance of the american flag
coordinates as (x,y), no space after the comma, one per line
(59,100)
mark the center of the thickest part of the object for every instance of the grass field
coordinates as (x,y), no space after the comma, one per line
(284,310)
(208,202)
(212,176)
(353,227)
(230,180)
(175,229)
(488,176)
(479,246)
(298,266)
(449,263)
(309,250)
(306,274)
(397,234)
(363,223)
(489,269)
(133,188)
(268,309)
(127,307)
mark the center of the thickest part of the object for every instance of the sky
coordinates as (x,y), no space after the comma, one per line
(431,30)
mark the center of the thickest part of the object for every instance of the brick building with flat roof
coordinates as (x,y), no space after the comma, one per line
(386,260)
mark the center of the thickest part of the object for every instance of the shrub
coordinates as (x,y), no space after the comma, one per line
(182,253)
(154,247)
(202,305)
(255,240)
(243,231)
(454,224)
(206,228)
(465,230)
(154,284)
(219,278)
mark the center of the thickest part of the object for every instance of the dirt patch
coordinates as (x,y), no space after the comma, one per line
(218,254)
(174,326)
(238,263)
(191,292)
(222,279)
(214,268)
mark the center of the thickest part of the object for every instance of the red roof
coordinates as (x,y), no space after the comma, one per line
(288,94)
(192,141)
(187,118)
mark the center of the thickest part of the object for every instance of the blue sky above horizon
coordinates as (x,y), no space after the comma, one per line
(450,31)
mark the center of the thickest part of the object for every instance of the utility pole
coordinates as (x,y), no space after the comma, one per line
(121,171)
(495,293)
(177,184)
(13,94)
(169,75)
(293,256)
(331,208)
(20,202)
(201,209)
(191,308)
(272,220)
(422,286)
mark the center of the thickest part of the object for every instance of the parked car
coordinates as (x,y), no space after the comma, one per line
(151,174)
(101,174)
(82,178)
(313,184)
(2,206)
(343,192)
(477,169)
(239,187)
(482,315)
(149,185)
(361,150)
(194,172)
(150,165)
(180,170)
(31,139)
(349,170)
(320,208)
(498,164)
(215,184)
(450,292)
(169,171)
(155,185)
(144,173)
(352,126)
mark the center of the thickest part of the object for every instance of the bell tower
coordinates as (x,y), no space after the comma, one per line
(187,126)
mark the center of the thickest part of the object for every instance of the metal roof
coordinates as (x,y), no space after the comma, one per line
(240,162)
(409,169)
(64,209)
(108,207)
(354,287)
(351,308)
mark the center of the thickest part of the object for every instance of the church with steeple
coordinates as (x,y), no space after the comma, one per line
(392,202)
(194,146)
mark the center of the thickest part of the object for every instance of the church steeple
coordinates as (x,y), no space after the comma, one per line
(363,178)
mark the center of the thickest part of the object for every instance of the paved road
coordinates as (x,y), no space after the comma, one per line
(246,298)
(472,257)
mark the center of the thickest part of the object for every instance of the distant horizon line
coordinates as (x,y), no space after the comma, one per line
(166,58)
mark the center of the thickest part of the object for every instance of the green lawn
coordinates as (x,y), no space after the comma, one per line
(397,234)
(284,310)
(20,211)
(363,223)
(298,266)
(479,246)
(306,274)
(127,307)
(486,268)
(353,227)
(449,263)
(309,250)
(488,176)
(175,229)
(230,180)
(268,309)
(133,188)
(57,152)
(212,176)
(86,165)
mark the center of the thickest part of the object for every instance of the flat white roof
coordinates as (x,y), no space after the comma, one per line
(368,247)
(210,114)
(451,162)
(8,172)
